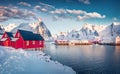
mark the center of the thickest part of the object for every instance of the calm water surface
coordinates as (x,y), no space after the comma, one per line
(87,59)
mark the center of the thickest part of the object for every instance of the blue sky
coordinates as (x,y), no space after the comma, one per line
(60,15)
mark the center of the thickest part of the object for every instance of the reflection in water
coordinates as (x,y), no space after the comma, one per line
(87,59)
(117,49)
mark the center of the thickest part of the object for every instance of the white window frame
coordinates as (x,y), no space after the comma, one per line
(40,42)
(27,43)
(33,42)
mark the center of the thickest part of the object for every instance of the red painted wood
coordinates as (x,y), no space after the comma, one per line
(36,45)
(7,42)
(18,43)
(21,43)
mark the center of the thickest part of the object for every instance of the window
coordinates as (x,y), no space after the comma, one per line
(27,42)
(40,42)
(33,42)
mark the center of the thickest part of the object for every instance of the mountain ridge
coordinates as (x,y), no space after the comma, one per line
(92,32)
(37,27)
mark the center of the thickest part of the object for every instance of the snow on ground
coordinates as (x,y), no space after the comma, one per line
(18,61)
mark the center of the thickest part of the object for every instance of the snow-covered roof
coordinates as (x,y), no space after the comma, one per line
(1,36)
(14,39)
(3,39)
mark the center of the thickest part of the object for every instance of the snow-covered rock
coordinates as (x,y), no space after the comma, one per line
(37,27)
(10,27)
(105,33)
(115,26)
(19,61)
(2,30)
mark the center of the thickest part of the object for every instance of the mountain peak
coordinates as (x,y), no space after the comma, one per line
(116,23)
(40,19)
(37,27)
(10,27)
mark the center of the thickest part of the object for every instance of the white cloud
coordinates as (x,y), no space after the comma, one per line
(58,11)
(37,7)
(84,1)
(16,13)
(25,4)
(81,15)
(95,15)
(46,5)
(44,10)
(3,18)
(76,11)
(115,19)
(67,13)
(90,15)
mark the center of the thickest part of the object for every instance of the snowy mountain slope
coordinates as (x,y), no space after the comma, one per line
(10,27)
(22,26)
(2,30)
(115,29)
(91,32)
(37,27)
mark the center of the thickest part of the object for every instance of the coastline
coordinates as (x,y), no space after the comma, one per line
(33,62)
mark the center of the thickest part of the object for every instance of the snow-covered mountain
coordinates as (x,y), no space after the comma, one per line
(115,29)
(2,30)
(92,32)
(10,27)
(37,27)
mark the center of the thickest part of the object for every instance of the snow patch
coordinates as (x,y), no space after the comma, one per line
(19,61)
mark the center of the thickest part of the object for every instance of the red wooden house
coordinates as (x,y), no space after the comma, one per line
(22,39)
(6,39)
(26,39)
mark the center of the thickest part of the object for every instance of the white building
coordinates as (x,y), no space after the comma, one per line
(118,40)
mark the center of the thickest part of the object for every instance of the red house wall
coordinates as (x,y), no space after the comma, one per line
(36,45)
(7,42)
(19,43)
(4,35)
(42,44)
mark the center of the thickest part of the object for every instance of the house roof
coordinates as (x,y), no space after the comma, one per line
(14,39)
(9,34)
(3,39)
(28,35)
